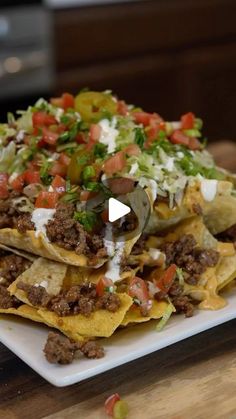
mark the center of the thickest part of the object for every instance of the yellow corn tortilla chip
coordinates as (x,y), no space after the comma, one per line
(218,214)
(42,247)
(134,316)
(226,271)
(24,311)
(101,323)
(45,271)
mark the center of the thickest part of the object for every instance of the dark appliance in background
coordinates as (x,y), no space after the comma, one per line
(26,67)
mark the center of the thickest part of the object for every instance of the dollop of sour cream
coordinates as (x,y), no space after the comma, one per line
(108,134)
(115,251)
(40,218)
(209,189)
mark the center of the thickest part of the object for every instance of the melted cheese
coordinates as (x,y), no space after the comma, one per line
(212,300)
(40,218)
(209,189)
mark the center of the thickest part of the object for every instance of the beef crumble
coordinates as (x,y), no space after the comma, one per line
(79,299)
(192,259)
(61,350)
(68,233)
(10,268)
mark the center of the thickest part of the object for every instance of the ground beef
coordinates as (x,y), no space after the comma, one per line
(228,235)
(61,350)
(23,223)
(6,300)
(79,299)
(66,232)
(92,350)
(11,267)
(183,304)
(187,255)
(139,246)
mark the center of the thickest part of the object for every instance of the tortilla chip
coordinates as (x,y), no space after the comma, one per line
(226,271)
(134,316)
(42,270)
(218,214)
(101,323)
(24,311)
(42,247)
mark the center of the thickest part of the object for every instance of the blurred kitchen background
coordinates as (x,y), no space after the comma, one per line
(170,56)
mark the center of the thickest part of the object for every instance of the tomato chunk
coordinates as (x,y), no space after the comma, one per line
(31,176)
(132,150)
(94,132)
(17,184)
(59,184)
(46,200)
(49,137)
(187,120)
(165,282)
(58,169)
(115,163)
(178,137)
(138,289)
(103,285)
(64,159)
(122,108)
(194,143)
(68,101)
(110,403)
(41,119)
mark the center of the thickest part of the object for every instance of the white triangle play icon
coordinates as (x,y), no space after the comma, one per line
(116,209)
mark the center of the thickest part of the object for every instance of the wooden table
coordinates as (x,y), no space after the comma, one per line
(193,379)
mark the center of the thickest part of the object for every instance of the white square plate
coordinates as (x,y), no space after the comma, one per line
(27,339)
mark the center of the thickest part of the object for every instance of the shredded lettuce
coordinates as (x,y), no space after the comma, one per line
(7,157)
(169,310)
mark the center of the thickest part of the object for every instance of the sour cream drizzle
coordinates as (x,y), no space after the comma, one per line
(209,189)
(40,218)
(115,251)
(108,134)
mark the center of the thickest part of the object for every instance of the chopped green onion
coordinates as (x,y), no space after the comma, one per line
(193,133)
(198,124)
(169,310)
(140,137)
(44,175)
(100,150)
(88,172)
(87,218)
(92,186)
(82,160)
(66,146)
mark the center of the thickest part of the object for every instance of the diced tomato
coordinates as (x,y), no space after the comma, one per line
(122,108)
(132,150)
(165,282)
(3,186)
(65,101)
(80,138)
(31,176)
(58,169)
(115,163)
(187,120)
(86,195)
(94,132)
(120,186)
(61,128)
(178,137)
(64,159)
(17,184)
(103,284)
(49,137)
(46,200)
(138,289)
(145,118)
(59,184)
(68,101)
(41,119)
(110,403)
(194,143)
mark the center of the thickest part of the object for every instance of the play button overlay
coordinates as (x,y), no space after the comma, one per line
(123,207)
(117,210)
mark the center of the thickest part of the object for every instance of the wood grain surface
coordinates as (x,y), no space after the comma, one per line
(193,379)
